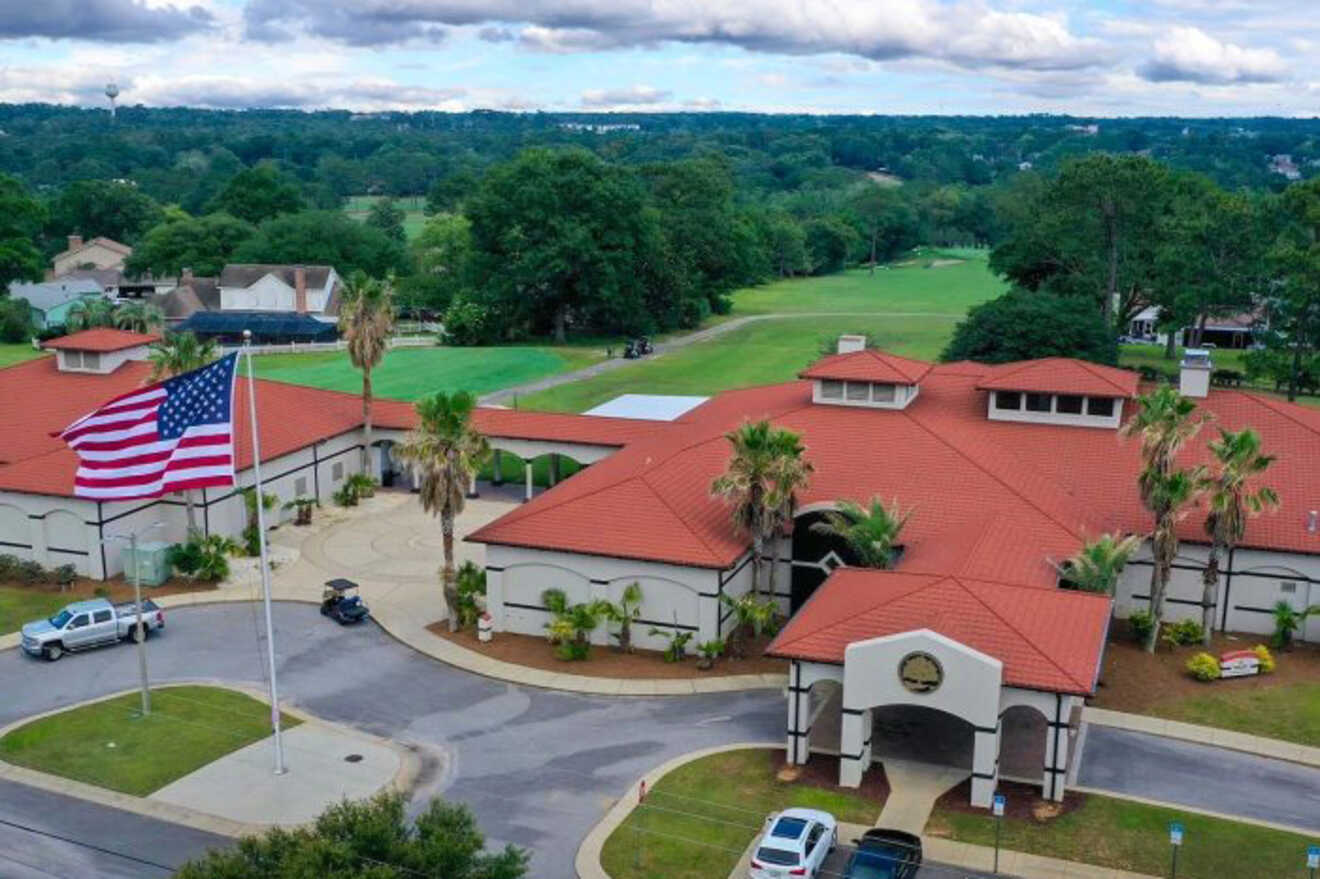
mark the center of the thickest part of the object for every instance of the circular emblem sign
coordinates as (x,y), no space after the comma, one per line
(920,672)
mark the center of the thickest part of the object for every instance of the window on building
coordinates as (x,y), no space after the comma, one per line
(858,392)
(1288,586)
(337,471)
(1038,402)
(1008,400)
(300,486)
(91,360)
(1068,404)
(1102,406)
(831,390)
(882,393)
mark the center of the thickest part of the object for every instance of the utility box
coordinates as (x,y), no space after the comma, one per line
(149,565)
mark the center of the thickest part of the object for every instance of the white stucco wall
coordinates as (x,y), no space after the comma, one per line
(270,293)
(1250,583)
(672,595)
(89,254)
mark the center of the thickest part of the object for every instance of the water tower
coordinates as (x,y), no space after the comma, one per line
(112,92)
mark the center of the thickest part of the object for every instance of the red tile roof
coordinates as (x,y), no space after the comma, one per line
(1047,639)
(870,366)
(994,500)
(1062,375)
(101,339)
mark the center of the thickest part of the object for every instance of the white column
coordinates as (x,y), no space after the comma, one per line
(497,468)
(985,765)
(37,529)
(799,717)
(852,746)
(495,597)
(527,472)
(472,487)
(1054,779)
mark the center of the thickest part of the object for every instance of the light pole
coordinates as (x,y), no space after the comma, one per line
(1175,842)
(132,538)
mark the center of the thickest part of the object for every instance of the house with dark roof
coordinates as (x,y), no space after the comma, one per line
(312,290)
(278,303)
(50,301)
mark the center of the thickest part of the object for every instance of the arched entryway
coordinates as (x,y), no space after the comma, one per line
(507,467)
(923,735)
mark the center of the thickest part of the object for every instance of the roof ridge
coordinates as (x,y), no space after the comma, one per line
(1270,404)
(978,465)
(658,496)
(997,615)
(1090,367)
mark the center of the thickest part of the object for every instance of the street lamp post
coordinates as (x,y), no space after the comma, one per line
(132,538)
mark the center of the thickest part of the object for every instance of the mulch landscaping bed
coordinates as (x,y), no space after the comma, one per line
(605,662)
(1136,681)
(1021,801)
(116,590)
(822,770)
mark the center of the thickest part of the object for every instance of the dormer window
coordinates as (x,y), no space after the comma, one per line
(101,350)
(865,378)
(1058,390)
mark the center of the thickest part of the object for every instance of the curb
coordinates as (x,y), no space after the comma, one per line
(405,776)
(1261,746)
(587,862)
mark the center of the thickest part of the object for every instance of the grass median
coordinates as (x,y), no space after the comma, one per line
(701,817)
(1111,832)
(111,745)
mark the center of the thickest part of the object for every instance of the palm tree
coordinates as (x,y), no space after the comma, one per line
(443,452)
(761,481)
(176,354)
(366,319)
(1097,566)
(88,313)
(1237,458)
(871,532)
(1165,421)
(139,317)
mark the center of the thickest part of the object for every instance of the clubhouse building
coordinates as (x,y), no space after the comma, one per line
(969,646)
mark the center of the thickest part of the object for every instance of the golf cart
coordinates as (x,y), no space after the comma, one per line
(340,602)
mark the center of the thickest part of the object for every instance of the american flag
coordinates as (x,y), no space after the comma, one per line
(171,436)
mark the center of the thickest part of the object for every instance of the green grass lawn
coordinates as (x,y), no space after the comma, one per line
(1133,836)
(18,606)
(701,817)
(1290,713)
(765,351)
(413,206)
(410,373)
(109,744)
(17,353)
(1153,355)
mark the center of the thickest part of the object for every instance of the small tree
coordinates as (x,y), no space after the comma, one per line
(625,613)
(571,625)
(251,532)
(1099,564)
(367,839)
(470,582)
(1287,620)
(871,532)
(752,618)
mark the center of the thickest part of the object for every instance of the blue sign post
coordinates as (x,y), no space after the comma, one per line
(1175,841)
(997,807)
(1313,859)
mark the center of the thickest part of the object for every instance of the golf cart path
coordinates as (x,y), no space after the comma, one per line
(674,343)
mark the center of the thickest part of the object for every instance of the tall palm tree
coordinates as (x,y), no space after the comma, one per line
(1165,421)
(871,532)
(1237,459)
(89,313)
(1097,566)
(139,317)
(761,480)
(176,354)
(366,319)
(443,452)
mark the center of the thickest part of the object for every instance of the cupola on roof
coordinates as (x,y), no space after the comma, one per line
(101,339)
(868,365)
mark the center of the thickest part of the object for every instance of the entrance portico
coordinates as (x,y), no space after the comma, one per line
(973,689)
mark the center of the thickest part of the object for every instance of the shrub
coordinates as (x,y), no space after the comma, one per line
(470,582)
(363,484)
(1183,633)
(9,566)
(346,495)
(1203,667)
(1141,622)
(64,575)
(202,558)
(31,572)
(678,642)
(1266,658)
(710,651)
(302,507)
(570,626)
(466,323)
(625,613)
(753,617)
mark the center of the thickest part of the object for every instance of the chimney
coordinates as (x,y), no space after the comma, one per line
(300,290)
(851,344)
(185,275)
(75,241)
(1194,373)
(1313,521)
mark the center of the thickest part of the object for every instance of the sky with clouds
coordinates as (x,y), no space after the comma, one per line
(1101,58)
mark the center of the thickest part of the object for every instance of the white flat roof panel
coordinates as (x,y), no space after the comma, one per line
(647,407)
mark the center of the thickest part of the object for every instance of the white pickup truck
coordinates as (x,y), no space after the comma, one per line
(86,624)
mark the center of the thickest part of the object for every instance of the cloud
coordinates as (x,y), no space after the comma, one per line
(107,21)
(631,96)
(1188,54)
(968,33)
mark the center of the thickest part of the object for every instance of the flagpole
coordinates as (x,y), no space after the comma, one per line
(265,562)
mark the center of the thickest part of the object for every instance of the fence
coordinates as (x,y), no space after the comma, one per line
(338,345)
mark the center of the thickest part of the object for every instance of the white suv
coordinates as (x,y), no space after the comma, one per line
(795,843)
